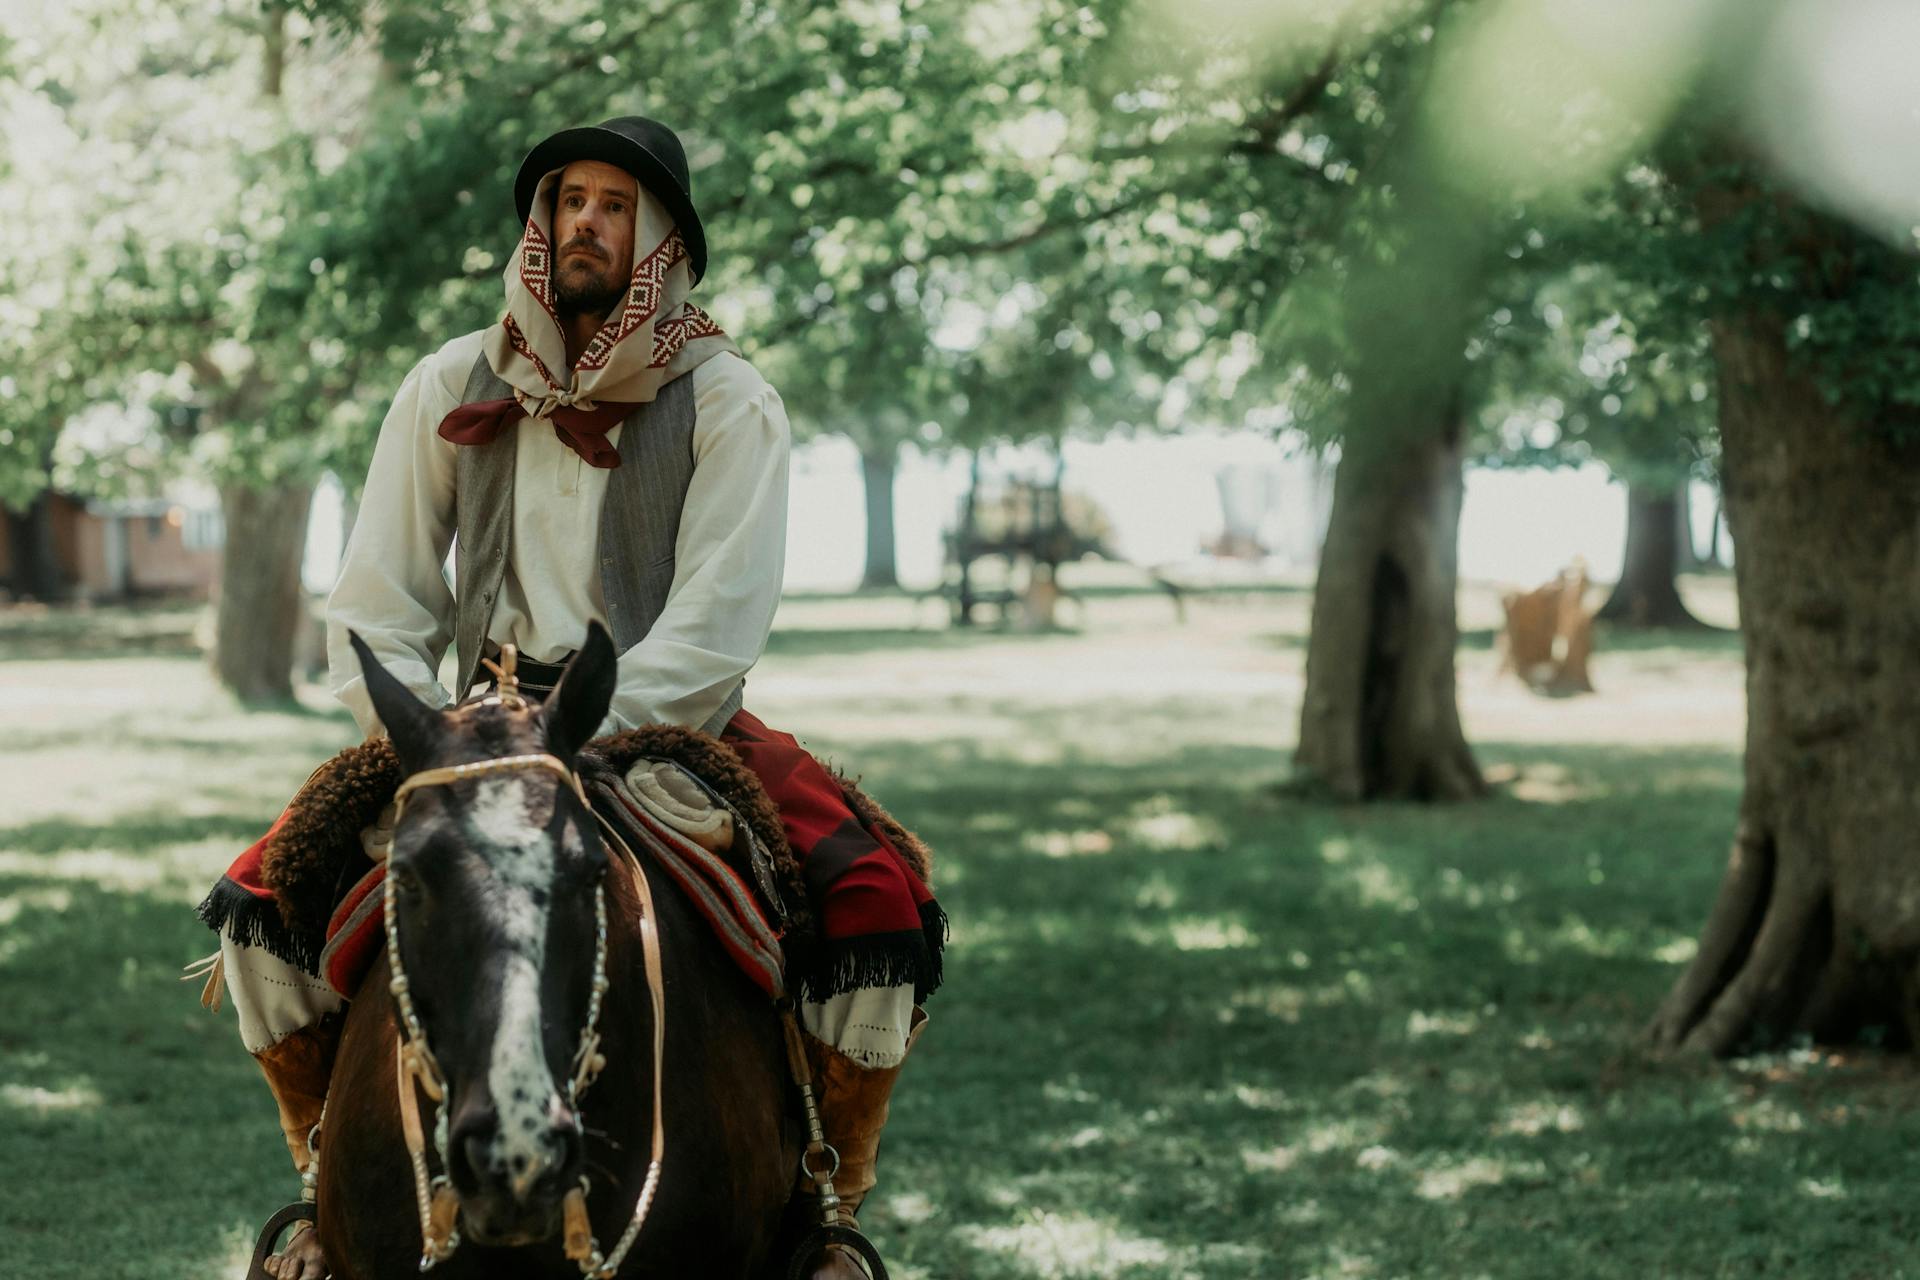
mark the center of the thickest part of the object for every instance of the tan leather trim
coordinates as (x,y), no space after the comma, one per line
(297,1069)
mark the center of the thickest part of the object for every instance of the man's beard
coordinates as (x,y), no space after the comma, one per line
(587,287)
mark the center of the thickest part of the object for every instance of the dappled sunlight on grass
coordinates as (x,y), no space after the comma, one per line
(1197,934)
(1530,1119)
(1256,1098)
(167,867)
(1547,784)
(1160,824)
(1577,934)
(1455,887)
(1348,1133)
(40,1101)
(1453,1023)
(1156,893)
(1769,1115)
(1677,951)
(1269,1159)
(1284,1001)
(1068,844)
(1360,873)
(911,1208)
(1452,1180)
(230,1258)
(1066,1246)
(13,904)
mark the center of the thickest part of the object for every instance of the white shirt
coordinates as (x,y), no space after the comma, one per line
(729,554)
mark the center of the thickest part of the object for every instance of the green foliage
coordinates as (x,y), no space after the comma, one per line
(1568,375)
(938,220)
(1735,239)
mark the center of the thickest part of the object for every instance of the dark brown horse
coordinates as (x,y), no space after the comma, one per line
(494,880)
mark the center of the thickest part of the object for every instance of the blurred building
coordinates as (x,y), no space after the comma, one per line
(119,550)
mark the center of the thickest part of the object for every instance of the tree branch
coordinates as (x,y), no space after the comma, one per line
(966,249)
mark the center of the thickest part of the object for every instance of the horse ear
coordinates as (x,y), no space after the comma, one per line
(411,723)
(579,702)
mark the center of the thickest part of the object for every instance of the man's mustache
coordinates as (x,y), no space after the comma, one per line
(585,246)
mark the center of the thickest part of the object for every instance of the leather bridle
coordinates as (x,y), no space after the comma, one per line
(415,1064)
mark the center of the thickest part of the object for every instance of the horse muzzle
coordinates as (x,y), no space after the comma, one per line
(510,1194)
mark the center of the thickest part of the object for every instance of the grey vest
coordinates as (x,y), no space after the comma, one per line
(638,523)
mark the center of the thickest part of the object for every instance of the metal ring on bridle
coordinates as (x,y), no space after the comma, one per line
(833,1170)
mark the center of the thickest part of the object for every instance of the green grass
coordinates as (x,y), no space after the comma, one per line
(1191,1028)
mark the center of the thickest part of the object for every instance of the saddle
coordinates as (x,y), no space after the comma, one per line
(327,855)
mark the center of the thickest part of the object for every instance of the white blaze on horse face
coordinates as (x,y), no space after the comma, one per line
(524,863)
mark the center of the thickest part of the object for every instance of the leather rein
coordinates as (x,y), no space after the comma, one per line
(418,1071)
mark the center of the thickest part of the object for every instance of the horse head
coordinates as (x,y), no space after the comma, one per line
(494,884)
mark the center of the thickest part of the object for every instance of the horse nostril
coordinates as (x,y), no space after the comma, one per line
(572,1147)
(562,1169)
(472,1153)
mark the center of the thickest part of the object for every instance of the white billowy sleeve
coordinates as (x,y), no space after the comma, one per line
(729,557)
(391,589)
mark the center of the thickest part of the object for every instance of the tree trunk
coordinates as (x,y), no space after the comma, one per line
(1817,926)
(36,558)
(877,466)
(1381,718)
(964,539)
(260,599)
(1646,595)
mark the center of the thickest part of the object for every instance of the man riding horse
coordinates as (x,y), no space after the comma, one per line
(602,453)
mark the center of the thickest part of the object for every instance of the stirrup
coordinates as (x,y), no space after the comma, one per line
(298,1211)
(815,1243)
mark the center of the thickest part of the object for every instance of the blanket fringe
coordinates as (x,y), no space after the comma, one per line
(256,922)
(879,960)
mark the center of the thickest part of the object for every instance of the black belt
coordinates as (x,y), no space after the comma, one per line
(537,679)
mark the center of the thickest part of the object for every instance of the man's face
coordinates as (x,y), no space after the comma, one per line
(593,214)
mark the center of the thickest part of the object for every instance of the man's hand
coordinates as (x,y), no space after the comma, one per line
(302,1260)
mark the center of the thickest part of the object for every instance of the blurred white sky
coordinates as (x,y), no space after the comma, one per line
(1162,496)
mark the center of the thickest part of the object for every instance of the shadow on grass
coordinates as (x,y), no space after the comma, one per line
(1189,1029)
(157,629)
(1702,641)
(131,834)
(132,1119)
(1215,1033)
(804,642)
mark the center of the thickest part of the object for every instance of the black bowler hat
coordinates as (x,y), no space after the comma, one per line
(644,148)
